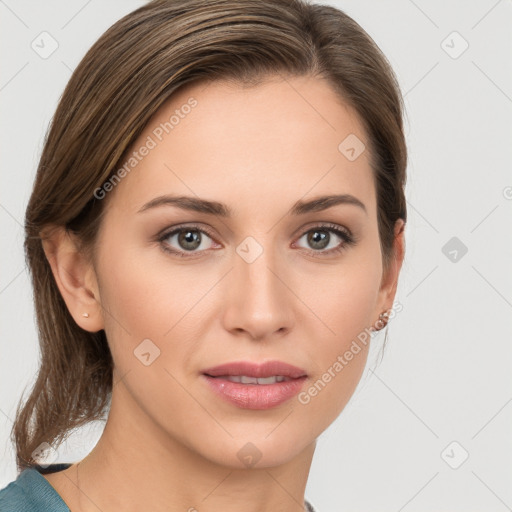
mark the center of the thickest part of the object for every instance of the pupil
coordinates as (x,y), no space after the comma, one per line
(190,240)
(321,239)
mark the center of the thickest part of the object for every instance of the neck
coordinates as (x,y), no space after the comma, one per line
(136,466)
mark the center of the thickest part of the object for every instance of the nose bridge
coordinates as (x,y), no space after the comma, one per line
(258,300)
(255,267)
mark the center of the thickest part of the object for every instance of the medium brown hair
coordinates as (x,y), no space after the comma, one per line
(124,78)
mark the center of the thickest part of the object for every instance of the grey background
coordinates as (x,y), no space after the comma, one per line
(446,372)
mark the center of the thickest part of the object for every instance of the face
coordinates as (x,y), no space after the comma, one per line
(255,276)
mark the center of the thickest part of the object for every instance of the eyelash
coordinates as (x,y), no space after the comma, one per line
(348,239)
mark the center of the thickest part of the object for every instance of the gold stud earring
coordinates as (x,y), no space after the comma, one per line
(384,318)
(85,315)
(385,315)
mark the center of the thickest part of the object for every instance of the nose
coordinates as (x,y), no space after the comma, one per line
(258,304)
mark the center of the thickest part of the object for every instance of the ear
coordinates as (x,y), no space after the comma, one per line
(389,280)
(75,277)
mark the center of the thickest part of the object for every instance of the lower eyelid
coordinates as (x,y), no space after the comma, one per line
(346,237)
(174,232)
(346,240)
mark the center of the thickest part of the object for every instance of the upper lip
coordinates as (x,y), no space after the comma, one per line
(251,369)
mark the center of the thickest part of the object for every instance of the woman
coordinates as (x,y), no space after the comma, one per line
(215,231)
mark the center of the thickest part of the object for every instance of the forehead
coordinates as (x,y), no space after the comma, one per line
(277,141)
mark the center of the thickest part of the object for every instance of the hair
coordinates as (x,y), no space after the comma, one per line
(134,67)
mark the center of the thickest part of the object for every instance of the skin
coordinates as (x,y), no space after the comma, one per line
(169,441)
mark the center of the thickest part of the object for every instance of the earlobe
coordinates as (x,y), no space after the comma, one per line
(75,277)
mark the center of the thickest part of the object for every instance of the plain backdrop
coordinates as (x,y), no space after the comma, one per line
(430,427)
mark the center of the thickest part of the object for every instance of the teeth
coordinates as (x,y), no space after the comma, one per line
(243,379)
(232,378)
(268,380)
(248,380)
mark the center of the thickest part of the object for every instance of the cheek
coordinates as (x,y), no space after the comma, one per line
(139,293)
(144,307)
(343,297)
(128,299)
(146,297)
(346,307)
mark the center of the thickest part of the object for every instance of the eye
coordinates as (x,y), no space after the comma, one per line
(320,237)
(190,241)
(187,239)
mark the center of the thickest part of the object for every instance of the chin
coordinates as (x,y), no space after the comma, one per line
(259,451)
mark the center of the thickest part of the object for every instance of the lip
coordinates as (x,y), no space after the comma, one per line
(266,369)
(255,396)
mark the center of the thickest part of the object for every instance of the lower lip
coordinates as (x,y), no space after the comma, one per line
(255,396)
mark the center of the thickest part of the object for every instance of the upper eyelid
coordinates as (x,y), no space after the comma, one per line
(329,226)
(165,233)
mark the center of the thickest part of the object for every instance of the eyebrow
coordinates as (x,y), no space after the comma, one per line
(199,205)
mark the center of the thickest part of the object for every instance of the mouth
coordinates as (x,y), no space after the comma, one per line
(249,385)
(245,379)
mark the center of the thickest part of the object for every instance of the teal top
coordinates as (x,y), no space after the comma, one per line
(31,492)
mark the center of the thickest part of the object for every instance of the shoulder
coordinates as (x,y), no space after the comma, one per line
(21,494)
(31,492)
